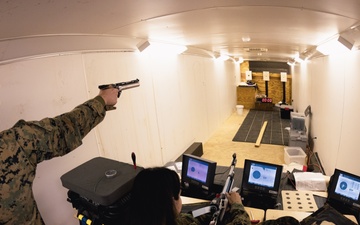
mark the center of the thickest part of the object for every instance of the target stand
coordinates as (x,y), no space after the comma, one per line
(298,201)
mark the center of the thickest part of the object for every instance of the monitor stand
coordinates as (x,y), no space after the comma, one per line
(196,192)
(345,209)
(259,201)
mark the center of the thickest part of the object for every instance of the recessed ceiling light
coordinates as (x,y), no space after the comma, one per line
(355,27)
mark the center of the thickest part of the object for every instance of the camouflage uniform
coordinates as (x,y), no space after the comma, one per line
(26,144)
(236,216)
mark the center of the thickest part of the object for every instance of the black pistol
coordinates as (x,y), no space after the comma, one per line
(120,86)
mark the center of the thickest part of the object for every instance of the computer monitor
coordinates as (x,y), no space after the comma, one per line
(261,177)
(344,191)
(197,173)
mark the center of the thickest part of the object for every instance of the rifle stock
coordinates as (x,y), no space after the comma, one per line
(220,203)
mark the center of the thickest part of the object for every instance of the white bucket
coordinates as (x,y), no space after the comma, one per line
(239,109)
(294,154)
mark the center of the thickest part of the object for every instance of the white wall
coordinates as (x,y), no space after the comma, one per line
(180,100)
(331,86)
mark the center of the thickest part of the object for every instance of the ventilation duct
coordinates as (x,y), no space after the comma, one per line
(272,67)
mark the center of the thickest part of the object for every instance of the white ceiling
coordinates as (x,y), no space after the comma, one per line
(282,27)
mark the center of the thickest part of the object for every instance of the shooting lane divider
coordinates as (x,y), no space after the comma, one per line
(258,141)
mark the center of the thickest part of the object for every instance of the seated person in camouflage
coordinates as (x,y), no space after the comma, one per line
(26,144)
(155,200)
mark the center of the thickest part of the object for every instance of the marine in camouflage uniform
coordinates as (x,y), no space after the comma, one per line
(26,144)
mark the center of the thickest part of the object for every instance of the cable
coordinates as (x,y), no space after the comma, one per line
(97,183)
(222,172)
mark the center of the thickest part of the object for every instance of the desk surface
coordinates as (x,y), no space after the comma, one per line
(255,214)
(272,214)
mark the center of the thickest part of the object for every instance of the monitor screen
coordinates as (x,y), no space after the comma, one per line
(261,177)
(197,172)
(345,187)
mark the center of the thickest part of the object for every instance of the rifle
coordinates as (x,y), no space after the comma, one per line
(120,86)
(219,204)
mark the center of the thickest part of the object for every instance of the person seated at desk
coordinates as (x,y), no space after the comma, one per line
(155,200)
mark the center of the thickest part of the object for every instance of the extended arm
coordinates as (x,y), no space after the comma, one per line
(50,137)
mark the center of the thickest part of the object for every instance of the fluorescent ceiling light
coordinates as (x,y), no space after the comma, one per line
(237,60)
(161,48)
(240,60)
(223,57)
(291,63)
(298,59)
(142,46)
(336,45)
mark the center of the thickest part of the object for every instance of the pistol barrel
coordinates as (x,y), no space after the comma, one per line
(128,86)
(122,85)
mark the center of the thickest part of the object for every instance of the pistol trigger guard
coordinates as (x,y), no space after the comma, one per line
(119,93)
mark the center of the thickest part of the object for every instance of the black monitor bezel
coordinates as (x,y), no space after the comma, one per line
(193,183)
(246,186)
(332,195)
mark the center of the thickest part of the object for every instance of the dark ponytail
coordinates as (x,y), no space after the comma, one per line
(152,197)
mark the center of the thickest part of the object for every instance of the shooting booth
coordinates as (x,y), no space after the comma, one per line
(100,189)
(269,193)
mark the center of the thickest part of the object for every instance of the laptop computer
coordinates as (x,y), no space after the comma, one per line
(260,184)
(344,192)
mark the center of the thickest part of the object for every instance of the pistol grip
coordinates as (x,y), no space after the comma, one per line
(109,107)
